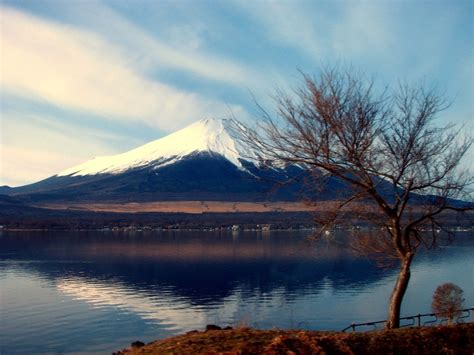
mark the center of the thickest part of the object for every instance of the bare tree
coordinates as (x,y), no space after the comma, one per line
(396,163)
(448,301)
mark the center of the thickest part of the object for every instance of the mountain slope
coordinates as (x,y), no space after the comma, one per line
(203,161)
(198,176)
(208,135)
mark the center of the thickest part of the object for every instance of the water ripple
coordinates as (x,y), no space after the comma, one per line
(93,295)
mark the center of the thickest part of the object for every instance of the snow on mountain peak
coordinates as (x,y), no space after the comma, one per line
(206,135)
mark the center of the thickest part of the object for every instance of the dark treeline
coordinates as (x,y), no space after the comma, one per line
(72,220)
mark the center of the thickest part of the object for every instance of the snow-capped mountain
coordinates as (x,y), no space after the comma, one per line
(208,135)
(204,161)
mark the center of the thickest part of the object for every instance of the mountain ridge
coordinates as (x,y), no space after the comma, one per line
(206,135)
(203,161)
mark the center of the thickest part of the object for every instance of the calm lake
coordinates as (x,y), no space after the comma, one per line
(97,292)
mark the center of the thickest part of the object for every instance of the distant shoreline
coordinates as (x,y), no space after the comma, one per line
(257,229)
(182,215)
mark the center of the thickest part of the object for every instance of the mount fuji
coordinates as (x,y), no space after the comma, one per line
(211,136)
(203,161)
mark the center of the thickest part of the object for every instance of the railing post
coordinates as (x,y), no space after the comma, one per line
(469,315)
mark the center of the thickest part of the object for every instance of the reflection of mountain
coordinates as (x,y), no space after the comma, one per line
(199,269)
(160,307)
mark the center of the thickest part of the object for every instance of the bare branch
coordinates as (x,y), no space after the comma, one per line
(386,148)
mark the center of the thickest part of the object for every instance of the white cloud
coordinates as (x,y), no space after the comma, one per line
(35,148)
(363,30)
(21,165)
(183,53)
(79,70)
(289,23)
(324,31)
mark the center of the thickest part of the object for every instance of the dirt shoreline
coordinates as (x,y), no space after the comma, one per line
(455,339)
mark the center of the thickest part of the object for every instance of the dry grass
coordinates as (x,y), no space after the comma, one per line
(185,206)
(457,339)
(197,207)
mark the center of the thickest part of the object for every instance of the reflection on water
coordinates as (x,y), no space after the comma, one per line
(97,292)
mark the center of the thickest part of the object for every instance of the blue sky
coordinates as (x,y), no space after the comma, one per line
(86,78)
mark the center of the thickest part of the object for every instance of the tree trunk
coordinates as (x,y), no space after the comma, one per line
(398,292)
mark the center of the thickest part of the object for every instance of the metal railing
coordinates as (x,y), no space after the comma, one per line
(436,318)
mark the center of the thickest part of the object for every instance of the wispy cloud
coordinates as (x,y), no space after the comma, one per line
(21,165)
(324,31)
(30,147)
(134,71)
(80,70)
(289,24)
(183,52)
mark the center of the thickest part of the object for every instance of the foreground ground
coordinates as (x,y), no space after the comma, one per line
(458,339)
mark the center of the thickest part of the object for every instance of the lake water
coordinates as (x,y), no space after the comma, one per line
(97,292)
